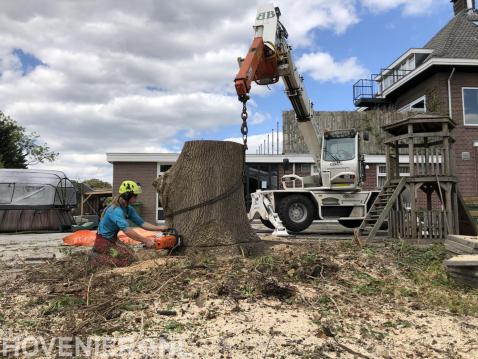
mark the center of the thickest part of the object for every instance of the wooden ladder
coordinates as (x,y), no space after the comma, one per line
(381,208)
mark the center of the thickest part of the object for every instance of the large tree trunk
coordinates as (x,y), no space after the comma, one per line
(203,197)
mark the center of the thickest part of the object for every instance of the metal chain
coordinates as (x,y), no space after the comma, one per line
(244,129)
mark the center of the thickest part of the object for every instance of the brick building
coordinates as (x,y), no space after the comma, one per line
(441,77)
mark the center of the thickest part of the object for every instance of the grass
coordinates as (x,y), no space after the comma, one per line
(63,303)
(247,290)
(264,263)
(398,324)
(174,327)
(372,286)
(433,286)
(412,272)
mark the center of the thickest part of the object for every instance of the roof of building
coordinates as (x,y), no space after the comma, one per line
(457,39)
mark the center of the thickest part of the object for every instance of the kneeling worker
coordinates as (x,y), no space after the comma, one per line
(108,249)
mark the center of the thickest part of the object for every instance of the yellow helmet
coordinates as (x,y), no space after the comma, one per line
(130,186)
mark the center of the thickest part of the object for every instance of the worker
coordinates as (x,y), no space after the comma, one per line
(107,249)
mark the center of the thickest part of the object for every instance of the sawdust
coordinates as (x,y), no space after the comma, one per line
(304,299)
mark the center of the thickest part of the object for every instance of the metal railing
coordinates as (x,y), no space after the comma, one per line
(374,87)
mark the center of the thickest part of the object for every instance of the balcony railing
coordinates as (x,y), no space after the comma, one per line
(369,91)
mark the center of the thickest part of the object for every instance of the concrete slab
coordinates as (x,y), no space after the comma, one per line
(467,260)
(465,280)
(458,248)
(469,241)
(464,271)
(33,247)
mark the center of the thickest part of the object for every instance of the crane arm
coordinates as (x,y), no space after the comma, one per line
(270,58)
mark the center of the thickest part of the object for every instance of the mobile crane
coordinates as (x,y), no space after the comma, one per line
(336,192)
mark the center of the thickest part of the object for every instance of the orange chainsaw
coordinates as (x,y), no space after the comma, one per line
(169,239)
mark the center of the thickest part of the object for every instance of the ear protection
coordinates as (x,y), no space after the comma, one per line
(127,195)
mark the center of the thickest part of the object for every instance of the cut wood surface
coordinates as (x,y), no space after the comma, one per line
(203,198)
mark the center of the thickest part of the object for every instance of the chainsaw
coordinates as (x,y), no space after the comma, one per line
(169,239)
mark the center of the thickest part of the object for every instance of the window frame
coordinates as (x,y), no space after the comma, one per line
(408,107)
(463,105)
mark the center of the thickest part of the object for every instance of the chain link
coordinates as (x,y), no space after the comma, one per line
(244,129)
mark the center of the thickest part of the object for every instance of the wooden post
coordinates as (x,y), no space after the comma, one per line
(427,153)
(413,210)
(397,164)
(449,207)
(410,150)
(455,206)
(446,153)
(387,162)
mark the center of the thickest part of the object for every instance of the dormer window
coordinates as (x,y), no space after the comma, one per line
(404,65)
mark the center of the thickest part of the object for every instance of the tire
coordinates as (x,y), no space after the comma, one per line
(296,212)
(267,223)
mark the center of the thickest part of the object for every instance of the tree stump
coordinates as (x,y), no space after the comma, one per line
(203,197)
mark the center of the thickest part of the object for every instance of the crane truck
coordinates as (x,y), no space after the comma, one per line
(335,193)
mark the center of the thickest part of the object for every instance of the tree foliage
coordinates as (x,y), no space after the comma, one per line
(96,183)
(19,148)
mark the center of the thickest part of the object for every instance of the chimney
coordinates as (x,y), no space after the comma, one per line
(460,5)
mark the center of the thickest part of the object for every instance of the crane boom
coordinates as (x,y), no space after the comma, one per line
(270,58)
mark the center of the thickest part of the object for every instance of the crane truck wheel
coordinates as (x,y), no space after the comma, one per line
(296,212)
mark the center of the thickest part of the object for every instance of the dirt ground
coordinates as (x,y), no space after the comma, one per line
(300,298)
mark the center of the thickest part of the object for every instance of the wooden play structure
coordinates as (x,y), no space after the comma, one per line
(420,200)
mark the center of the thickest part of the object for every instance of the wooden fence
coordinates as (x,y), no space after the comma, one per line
(430,224)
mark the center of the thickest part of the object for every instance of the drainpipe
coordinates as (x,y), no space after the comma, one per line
(469,4)
(449,94)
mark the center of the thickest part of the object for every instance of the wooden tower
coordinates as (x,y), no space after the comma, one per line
(424,202)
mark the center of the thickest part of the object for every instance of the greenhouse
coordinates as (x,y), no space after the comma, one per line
(35,200)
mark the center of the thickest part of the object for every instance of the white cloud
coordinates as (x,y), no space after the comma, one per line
(410,7)
(301,17)
(134,76)
(323,67)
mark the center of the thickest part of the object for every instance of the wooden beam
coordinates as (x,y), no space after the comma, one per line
(417,135)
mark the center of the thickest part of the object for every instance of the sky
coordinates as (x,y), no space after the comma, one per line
(92,77)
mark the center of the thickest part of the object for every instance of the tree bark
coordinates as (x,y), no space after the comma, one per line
(208,177)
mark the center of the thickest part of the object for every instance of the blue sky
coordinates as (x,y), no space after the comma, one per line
(97,77)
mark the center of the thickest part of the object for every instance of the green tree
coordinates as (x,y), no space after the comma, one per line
(19,148)
(97,183)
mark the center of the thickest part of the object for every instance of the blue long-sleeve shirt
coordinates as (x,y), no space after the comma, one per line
(115,219)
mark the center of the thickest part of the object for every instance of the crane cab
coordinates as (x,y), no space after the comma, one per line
(341,161)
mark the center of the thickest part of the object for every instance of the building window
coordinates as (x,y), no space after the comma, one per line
(470,106)
(419,105)
(303,169)
(159,208)
(314,170)
(382,173)
(391,76)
